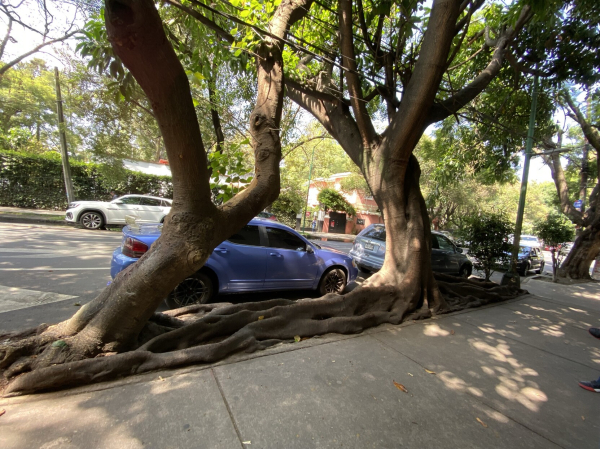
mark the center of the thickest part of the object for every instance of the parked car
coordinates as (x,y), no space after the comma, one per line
(530,258)
(566,248)
(369,252)
(263,255)
(530,241)
(97,214)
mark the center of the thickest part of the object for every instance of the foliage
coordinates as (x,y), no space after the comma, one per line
(36,181)
(230,172)
(486,235)
(287,206)
(555,230)
(332,200)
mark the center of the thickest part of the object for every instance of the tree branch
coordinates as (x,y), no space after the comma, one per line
(405,129)
(451,105)
(592,135)
(15,61)
(363,120)
(7,37)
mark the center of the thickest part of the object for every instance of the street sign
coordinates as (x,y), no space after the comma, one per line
(578,203)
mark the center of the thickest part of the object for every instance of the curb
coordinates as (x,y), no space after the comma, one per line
(7,218)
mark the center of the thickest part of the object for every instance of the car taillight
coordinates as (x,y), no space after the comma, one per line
(134,248)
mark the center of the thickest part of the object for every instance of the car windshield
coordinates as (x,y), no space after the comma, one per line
(377,233)
(524,249)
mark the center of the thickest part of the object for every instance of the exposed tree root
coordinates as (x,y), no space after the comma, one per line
(208,333)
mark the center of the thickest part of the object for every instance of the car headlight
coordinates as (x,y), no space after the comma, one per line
(72,205)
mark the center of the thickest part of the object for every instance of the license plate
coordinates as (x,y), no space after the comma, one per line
(369,246)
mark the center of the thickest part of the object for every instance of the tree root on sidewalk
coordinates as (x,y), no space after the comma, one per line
(208,333)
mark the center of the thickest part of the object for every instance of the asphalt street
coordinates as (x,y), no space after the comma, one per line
(47,271)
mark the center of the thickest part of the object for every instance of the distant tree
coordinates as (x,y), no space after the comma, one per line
(331,199)
(286,206)
(555,230)
(487,235)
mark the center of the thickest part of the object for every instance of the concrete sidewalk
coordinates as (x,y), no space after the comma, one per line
(503,376)
(32,216)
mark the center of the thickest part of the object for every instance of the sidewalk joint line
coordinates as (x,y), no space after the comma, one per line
(235,426)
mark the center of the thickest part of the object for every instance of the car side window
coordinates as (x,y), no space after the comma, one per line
(445,243)
(434,242)
(130,200)
(164,203)
(278,238)
(150,202)
(248,235)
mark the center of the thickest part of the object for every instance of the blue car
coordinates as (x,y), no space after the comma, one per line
(368,252)
(264,255)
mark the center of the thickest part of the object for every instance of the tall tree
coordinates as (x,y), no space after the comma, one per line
(587,244)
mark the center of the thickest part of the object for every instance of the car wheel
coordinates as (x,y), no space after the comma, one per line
(92,220)
(525,269)
(363,268)
(333,281)
(464,272)
(196,289)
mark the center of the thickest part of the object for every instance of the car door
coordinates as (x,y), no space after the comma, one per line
(127,205)
(438,257)
(151,209)
(289,265)
(241,261)
(451,256)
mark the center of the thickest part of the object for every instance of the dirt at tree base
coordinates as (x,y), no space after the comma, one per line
(209,333)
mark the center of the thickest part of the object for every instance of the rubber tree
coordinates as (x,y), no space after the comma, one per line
(385,159)
(587,244)
(114,320)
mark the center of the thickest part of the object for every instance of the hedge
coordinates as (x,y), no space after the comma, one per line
(36,181)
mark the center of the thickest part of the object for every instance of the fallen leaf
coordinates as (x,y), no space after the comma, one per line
(410,375)
(262,317)
(452,332)
(429,371)
(304,338)
(481,422)
(297,337)
(246,442)
(161,378)
(2,412)
(400,387)
(582,417)
(76,304)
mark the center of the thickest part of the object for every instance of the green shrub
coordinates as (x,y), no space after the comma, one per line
(36,181)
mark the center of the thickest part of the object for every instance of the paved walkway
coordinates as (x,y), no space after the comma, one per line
(503,376)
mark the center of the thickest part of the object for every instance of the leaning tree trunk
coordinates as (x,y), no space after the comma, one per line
(586,249)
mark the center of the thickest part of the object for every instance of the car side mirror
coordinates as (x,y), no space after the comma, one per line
(117,202)
(459,250)
(309,249)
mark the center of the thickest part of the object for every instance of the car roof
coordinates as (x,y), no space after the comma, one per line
(146,196)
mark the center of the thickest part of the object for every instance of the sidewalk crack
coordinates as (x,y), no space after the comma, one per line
(235,426)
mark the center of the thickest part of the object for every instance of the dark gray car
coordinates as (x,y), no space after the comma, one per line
(369,252)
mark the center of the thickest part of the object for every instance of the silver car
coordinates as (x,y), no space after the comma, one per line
(369,252)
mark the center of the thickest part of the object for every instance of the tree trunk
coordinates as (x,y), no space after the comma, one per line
(407,264)
(586,249)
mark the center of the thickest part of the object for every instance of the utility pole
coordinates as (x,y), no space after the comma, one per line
(308,190)
(512,277)
(63,141)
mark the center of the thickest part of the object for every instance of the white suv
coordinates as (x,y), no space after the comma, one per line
(97,214)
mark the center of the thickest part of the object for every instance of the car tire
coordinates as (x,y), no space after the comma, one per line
(525,269)
(333,281)
(196,289)
(464,272)
(363,268)
(92,220)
